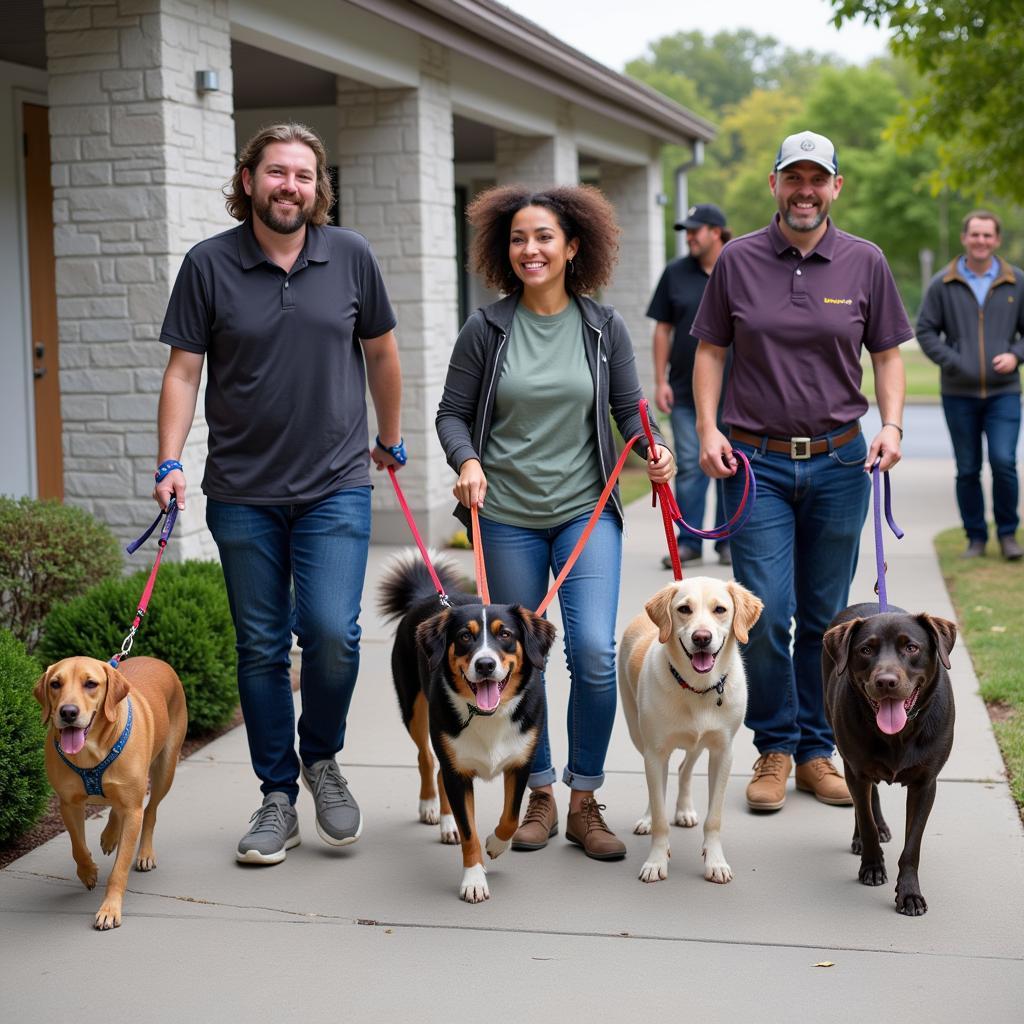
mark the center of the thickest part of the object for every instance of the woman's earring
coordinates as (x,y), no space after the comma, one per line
(572,269)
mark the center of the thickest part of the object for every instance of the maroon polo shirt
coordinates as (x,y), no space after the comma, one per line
(796,325)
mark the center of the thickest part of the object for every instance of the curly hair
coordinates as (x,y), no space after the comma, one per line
(583,213)
(239,205)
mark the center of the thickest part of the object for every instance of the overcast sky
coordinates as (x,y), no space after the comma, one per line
(616,31)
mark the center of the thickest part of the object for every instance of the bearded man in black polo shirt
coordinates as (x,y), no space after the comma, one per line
(796,302)
(286,312)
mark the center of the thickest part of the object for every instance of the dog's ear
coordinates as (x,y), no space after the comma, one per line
(747,610)
(659,611)
(538,635)
(836,642)
(117,689)
(430,638)
(943,632)
(41,692)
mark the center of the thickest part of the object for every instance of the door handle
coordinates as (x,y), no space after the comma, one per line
(39,371)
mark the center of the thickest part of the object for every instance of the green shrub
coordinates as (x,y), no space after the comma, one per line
(188,625)
(24,788)
(49,553)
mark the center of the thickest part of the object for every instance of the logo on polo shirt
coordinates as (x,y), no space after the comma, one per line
(838,302)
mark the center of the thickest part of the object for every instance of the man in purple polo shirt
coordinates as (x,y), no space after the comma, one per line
(796,301)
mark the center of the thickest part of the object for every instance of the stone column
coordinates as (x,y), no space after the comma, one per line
(538,161)
(397,187)
(634,193)
(138,161)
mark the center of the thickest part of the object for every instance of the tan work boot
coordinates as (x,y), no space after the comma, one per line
(820,777)
(540,823)
(587,828)
(766,791)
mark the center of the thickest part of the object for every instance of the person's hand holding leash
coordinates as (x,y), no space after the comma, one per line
(385,456)
(662,467)
(170,484)
(471,486)
(716,455)
(885,448)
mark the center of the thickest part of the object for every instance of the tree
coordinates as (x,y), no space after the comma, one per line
(972,96)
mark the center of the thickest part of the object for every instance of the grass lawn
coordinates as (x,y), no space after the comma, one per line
(922,375)
(988,595)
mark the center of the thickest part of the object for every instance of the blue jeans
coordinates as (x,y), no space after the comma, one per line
(691,481)
(518,563)
(998,418)
(294,568)
(797,552)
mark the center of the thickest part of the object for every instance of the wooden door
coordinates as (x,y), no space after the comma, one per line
(43,302)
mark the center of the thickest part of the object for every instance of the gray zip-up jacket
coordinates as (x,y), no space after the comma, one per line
(464,416)
(963,337)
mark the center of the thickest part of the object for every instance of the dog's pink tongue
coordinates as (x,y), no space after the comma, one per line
(72,740)
(702,661)
(892,716)
(487,695)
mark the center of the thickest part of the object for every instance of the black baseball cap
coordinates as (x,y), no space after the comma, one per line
(701,214)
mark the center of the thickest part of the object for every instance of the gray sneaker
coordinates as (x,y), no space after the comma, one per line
(338,819)
(274,831)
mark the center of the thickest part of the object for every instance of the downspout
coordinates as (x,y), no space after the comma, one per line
(682,192)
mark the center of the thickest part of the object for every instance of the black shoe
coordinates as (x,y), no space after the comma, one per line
(1011,550)
(686,554)
(975,549)
(724,555)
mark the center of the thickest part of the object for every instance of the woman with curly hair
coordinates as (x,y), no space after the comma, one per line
(524,421)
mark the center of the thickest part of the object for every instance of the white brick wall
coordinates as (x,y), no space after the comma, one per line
(395,153)
(538,161)
(139,159)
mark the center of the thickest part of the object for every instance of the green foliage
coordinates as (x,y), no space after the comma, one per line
(49,553)
(188,625)
(971,98)
(23,785)
(988,594)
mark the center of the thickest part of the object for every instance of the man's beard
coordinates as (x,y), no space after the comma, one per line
(272,219)
(815,222)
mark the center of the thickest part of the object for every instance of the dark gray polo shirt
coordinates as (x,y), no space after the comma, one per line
(285,395)
(796,325)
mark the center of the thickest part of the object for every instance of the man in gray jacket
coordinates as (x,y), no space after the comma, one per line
(972,324)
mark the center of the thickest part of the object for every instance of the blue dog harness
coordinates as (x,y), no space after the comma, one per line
(92,778)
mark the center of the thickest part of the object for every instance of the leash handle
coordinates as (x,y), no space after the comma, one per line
(880,564)
(478,557)
(406,511)
(661,494)
(171,512)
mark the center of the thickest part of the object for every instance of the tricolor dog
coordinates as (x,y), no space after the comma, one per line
(468,679)
(111,731)
(683,686)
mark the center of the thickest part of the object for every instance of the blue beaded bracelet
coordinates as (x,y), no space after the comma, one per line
(167,467)
(396,451)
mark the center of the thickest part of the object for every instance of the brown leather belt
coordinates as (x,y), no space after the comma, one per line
(796,447)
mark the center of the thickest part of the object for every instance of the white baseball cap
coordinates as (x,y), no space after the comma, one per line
(807,146)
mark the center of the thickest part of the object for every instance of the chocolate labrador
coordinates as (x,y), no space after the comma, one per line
(889,701)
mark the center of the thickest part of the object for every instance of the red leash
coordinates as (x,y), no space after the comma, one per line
(416,537)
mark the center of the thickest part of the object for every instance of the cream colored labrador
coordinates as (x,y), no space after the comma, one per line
(683,686)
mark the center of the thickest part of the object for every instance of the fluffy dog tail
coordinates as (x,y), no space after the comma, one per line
(407,581)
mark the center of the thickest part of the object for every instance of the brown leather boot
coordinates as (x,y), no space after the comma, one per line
(587,828)
(540,823)
(820,777)
(766,791)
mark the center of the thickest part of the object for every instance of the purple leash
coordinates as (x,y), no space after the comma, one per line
(880,565)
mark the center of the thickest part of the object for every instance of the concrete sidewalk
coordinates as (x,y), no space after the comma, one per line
(376,930)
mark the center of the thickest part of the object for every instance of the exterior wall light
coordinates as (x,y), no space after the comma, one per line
(207,81)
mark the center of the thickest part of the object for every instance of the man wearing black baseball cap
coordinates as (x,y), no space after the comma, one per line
(796,303)
(674,306)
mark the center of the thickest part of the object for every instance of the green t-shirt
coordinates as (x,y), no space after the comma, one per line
(541,457)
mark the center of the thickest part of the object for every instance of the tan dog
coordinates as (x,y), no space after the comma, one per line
(84,700)
(683,686)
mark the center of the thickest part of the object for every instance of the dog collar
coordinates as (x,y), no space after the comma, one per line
(92,778)
(719,686)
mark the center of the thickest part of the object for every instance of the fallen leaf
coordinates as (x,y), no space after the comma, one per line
(825,963)
(997,629)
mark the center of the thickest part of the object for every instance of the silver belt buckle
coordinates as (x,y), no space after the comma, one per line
(799,447)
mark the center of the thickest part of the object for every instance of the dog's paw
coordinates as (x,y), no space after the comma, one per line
(717,871)
(872,873)
(856,846)
(643,826)
(109,838)
(686,818)
(449,830)
(146,860)
(911,904)
(495,847)
(108,916)
(474,885)
(430,811)
(88,874)
(654,871)
(884,834)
